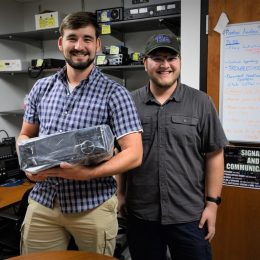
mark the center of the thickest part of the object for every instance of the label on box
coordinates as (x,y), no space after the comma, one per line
(47,20)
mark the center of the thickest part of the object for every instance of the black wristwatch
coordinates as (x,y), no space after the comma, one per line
(216,200)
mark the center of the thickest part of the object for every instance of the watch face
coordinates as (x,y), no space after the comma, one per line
(218,201)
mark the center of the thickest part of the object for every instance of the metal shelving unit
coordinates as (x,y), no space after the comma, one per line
(171,22)
(32,37)
(118,29)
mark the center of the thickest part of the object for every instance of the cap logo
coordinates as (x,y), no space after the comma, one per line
(162,39)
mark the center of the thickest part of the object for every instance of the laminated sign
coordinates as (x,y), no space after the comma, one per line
(242,166)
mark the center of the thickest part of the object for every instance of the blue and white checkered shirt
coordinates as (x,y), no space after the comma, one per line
(97,100)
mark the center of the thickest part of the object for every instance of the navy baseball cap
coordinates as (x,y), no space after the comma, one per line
(162,41)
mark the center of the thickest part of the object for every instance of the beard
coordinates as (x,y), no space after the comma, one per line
(80,65)
(162,84)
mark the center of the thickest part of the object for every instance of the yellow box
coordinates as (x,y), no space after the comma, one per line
(48,20)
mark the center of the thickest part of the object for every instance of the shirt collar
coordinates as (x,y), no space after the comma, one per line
(62,75)
(177,95)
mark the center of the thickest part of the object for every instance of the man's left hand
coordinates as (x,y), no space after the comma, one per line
(209,217)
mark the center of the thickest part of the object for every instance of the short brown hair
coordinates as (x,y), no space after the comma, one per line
(78,20)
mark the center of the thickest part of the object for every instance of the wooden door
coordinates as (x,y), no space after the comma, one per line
(238,223)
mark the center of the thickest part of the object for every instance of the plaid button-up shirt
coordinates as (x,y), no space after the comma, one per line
(97,100)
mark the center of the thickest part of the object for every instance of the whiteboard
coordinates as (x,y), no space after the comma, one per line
(240,82)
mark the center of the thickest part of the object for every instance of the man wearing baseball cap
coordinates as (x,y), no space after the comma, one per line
(171,200)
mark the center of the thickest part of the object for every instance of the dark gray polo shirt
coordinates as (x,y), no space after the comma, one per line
(169,186)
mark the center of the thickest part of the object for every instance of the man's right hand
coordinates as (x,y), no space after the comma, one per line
(121,208)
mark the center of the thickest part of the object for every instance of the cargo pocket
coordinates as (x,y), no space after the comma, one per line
(110,240)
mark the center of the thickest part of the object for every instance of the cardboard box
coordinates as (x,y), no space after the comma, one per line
(48,20)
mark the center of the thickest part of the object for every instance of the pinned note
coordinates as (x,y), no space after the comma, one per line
(105,29)
(222,23)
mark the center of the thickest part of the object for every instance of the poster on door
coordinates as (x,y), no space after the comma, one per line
(242,167)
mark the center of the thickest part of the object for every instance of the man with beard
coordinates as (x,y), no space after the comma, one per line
(71,199)
(171,200)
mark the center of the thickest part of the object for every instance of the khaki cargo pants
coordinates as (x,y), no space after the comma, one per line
(46,229)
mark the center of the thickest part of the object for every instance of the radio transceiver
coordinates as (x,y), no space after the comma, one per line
(136,9)
(112,59)
(82,146)
(110,15)
(13,65)
(9,165)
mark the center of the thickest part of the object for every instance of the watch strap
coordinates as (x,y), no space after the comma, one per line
(216,200)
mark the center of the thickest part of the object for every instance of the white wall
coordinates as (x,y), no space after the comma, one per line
(190,42)
(11,16)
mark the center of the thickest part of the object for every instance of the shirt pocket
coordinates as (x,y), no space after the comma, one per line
(184,128)
(147,124)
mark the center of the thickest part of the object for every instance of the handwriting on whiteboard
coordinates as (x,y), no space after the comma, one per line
(240,82)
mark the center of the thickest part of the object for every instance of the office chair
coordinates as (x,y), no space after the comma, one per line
(10,223)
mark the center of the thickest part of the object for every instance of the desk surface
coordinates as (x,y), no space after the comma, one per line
(63,255)
(14,194)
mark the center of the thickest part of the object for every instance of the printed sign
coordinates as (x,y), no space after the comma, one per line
(242,167)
